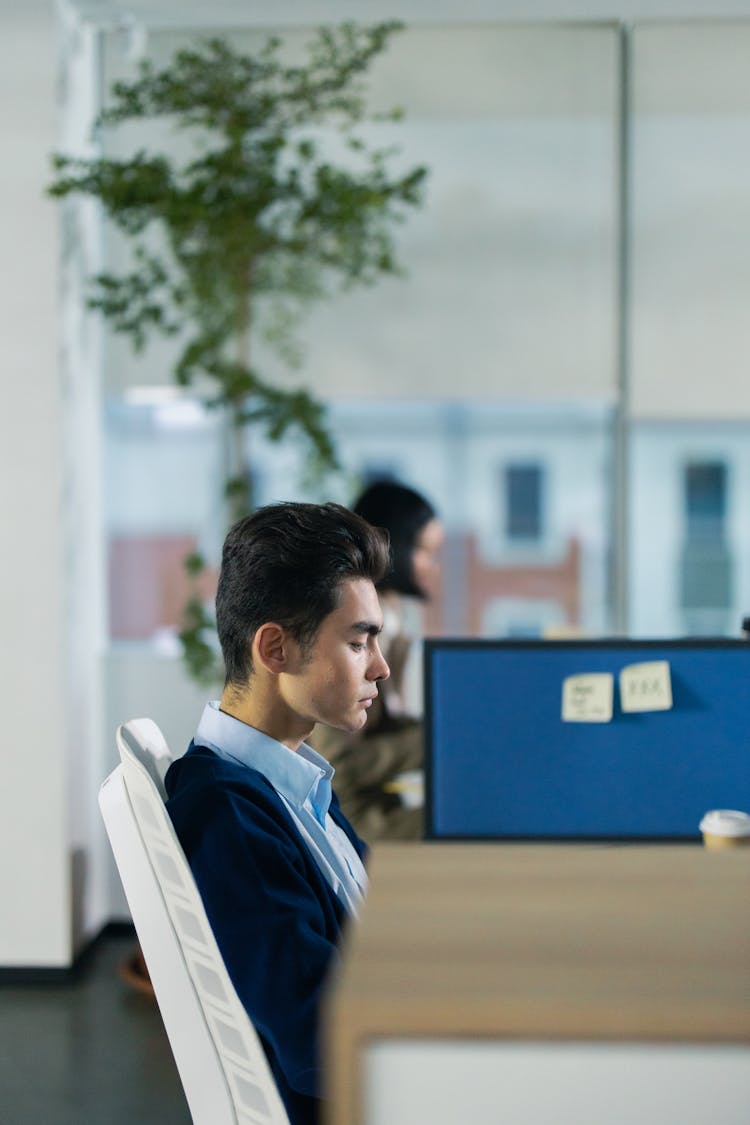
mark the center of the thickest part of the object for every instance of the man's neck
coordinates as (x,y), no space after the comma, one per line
(265,713)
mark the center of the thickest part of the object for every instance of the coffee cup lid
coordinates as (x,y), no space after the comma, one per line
(726,822)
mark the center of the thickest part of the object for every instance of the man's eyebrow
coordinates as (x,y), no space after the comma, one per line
(368,627)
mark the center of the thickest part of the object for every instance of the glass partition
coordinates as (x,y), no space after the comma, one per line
(485,378)
(689,534)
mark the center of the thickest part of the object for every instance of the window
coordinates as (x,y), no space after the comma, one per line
(690,463)
(705,501)
(706,563)
(164,474)
(523,502)
(439,378)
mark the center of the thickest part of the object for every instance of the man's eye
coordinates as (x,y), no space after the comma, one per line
(357,646)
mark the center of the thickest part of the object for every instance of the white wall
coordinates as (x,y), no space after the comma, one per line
(34,858)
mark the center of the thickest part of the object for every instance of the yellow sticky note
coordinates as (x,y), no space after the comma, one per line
(587,698)
(646,687)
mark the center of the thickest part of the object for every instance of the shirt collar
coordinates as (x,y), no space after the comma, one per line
(301,776)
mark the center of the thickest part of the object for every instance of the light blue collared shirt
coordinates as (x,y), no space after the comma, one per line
(302,780)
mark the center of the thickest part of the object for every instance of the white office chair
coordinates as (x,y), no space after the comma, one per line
(144,739)
(223,1068)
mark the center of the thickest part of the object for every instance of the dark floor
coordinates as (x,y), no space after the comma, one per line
(91,1052)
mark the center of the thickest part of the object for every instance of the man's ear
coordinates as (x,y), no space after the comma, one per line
(271,648)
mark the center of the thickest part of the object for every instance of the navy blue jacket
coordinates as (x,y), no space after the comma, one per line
(275,918)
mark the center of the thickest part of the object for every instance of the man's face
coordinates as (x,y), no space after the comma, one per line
(335,680)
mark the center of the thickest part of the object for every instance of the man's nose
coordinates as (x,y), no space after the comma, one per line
(379,669)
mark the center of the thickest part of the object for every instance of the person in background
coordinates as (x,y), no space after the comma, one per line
(392,741)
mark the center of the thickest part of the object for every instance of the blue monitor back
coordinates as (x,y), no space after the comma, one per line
(501,763)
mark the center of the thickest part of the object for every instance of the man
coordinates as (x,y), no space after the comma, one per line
(277,864)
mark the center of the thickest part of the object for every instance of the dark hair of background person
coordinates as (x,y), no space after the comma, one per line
(403,513)
(285,563)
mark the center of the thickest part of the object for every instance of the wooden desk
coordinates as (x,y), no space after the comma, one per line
(512,944)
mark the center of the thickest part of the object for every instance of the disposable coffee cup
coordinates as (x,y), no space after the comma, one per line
(725,828)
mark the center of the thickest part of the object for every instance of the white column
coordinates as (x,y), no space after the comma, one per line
(89,744)
(34,855)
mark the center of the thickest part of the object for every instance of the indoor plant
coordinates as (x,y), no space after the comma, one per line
(235,230)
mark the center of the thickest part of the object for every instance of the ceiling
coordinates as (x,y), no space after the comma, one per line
(248,13)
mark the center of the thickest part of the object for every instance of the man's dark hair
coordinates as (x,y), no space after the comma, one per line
(285,563)
(402,512)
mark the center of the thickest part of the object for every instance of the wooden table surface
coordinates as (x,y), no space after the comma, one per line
(543,942)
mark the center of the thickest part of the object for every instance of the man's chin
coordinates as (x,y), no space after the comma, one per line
(354,724)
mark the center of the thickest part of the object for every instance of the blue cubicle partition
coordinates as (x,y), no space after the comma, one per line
(501,763)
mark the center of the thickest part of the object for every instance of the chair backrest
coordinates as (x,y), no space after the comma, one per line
(144,739)
(223,1068)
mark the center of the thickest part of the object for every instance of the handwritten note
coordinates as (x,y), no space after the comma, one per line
(587,698)
(646,687)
